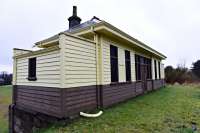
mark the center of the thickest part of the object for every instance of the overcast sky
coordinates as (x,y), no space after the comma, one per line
(170,26)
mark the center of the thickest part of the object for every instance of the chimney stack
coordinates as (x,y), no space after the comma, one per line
(74,19)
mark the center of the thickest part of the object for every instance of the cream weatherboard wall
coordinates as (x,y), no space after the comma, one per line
(162,74)
(153,68)
(75,64)
(106,62)
(157,69)
(121,65)
(133,73)
(47,70)
(162,69)
(121,61)
(79,62)
(20,51)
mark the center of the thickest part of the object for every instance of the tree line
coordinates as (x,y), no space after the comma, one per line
(181,74)
(5,78)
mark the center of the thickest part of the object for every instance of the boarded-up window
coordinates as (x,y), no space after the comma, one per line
(128,65)
(145,63)
(114,63)
(155,66)
(32,69)
(159,70)
(138,67)
(148,67)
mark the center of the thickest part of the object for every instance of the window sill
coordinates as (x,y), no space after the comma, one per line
(32,78)
(119,83)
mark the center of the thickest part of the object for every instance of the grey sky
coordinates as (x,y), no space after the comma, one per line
(169,26)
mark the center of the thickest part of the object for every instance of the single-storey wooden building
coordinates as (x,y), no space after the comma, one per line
(90,65)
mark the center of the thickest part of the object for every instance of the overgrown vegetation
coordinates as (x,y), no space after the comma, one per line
(5,100)
(5,78)
(174,109)
(196,68)
(181,74)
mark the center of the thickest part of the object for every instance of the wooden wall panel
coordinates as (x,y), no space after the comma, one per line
(112,94)
(139,87)
(39,99)
(162,71)
(79,62)
(68,102)
(106,63)
(79,99)
(121,64)
(158,83)
(121,61)
(149,85)
(47,70)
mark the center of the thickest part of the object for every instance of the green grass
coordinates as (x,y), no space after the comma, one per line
(169,110)
(5,100)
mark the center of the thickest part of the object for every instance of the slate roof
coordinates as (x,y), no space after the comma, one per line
(88,23)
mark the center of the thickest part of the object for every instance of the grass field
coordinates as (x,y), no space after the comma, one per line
(170,110)
(5,100)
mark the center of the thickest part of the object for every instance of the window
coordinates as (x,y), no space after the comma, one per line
(114,63)
(128,65)
(32,69)
(155,66)
(145,63)
(148,63)
(138,67)
(159,70)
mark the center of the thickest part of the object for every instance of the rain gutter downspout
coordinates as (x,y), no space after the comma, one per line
(98,73)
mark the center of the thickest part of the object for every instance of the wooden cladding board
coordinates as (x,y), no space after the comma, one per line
(40,99)
(67,102)
(158,83)
(139,87)
(47,70)
(79,99)
(121,61)
(79,62)
(56,102)
(149,85)
(112,94)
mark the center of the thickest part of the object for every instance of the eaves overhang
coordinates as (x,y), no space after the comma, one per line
(98,27)
(117,32)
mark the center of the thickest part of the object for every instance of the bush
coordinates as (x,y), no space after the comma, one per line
(179,75)
(5,78)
